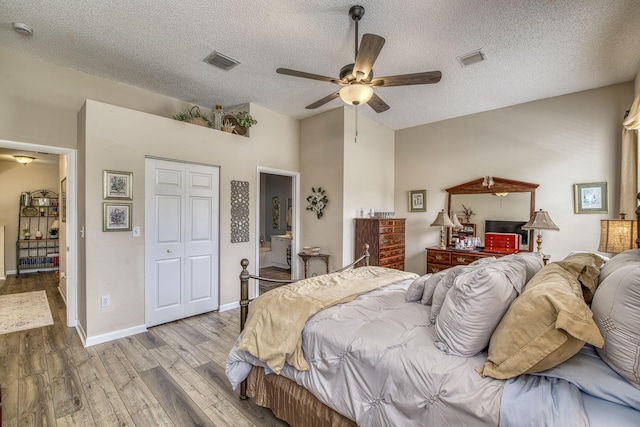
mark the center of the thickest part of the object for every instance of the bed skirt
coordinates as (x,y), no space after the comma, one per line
(291,402)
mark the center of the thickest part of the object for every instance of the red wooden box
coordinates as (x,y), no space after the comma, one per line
(502,243)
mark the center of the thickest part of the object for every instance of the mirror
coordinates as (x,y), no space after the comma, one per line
(505,202)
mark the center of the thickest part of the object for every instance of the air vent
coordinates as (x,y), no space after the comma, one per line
(221,61)
(472,57)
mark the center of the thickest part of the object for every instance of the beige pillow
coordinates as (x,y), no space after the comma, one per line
(547,324)
(586,268)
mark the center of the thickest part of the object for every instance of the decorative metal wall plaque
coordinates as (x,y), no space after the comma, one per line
(239,211)
(276,212)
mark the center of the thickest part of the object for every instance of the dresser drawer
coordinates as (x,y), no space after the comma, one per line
(464,259)
(434,268)
(439,257)
(386,262)
(387,240)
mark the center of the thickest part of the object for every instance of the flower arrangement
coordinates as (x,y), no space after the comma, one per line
(467,212)
(317,201)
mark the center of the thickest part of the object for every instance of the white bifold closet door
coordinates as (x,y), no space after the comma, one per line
(181,240)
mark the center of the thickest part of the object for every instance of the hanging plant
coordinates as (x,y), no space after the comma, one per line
(317,201)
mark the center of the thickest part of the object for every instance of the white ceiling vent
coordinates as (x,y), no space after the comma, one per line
(472,57)
(221,61)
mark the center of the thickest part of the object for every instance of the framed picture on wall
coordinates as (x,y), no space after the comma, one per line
(418,201)
(591,198)
(63,199)
(118,185)
(116,216)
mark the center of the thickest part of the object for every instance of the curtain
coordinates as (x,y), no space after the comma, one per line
(629,160)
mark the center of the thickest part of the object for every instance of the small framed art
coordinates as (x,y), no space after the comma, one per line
(418,201)
(116,216)
(118,185)
(591,198)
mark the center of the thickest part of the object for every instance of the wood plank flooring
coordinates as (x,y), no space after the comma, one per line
(171,375)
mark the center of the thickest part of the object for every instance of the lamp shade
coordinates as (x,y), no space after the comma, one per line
(356,93)
(442,220)
(540,221)
(617,235)
(55,225)
(456,222)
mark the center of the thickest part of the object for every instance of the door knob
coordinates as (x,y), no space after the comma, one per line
(169,251)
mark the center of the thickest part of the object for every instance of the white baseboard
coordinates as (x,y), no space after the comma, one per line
(11,272)
(229,306)
(110,336)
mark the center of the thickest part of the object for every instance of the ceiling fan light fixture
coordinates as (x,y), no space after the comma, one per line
(356,93)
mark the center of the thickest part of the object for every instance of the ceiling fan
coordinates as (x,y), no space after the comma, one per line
(357,78)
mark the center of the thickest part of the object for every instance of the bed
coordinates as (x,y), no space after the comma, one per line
(439,349)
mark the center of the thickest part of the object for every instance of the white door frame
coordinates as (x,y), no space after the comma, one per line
(72,235)
(295,216)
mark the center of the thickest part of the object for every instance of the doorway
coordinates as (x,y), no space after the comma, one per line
(70,296)
(182,223)
(277,224)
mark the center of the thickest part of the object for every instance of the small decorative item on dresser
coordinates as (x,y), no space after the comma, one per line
(467,213)
(384,214)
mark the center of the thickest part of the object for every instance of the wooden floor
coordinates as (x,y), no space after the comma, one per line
(273,273)
(172,375)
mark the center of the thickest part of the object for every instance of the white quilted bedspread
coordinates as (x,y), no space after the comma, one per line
(374,361)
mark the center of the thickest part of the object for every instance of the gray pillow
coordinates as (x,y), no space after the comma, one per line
(443,287)
(532,260)
(623,258)
(430,285)
(475,304)
(416,289)
(616,311)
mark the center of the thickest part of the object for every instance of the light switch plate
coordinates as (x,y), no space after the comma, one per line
(135,231)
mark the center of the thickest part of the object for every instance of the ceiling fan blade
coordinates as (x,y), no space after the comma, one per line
(304,75)
(408,79)
(368,51)
(323,101)
(378,105)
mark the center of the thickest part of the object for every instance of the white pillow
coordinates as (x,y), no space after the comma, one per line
(533,262)
(475,304)
(616,311)
(623,258)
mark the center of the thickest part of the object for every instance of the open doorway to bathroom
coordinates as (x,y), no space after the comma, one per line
(276,225)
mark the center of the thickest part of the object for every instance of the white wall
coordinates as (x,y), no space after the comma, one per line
(555,142)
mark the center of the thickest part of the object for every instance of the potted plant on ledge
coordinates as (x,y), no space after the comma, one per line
(242,121)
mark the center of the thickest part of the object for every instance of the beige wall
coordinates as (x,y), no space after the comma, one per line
(40,101)
(119,139)
(14,179)
(555,142)
(368,174)
(356,175)
(322,163)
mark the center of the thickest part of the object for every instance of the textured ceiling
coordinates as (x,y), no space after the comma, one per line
(535,49)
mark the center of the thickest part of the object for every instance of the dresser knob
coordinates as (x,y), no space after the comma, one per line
(461,259)
(438,257)
(434,270)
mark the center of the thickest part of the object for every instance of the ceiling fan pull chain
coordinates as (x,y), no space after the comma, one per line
(356,138)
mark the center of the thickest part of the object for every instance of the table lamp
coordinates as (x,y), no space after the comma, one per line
(617,235)
(53,230)
(540,221)
(442,221)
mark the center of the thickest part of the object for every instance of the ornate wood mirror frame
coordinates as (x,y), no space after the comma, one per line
(500,185)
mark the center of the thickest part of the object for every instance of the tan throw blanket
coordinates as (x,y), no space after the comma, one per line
(273,332)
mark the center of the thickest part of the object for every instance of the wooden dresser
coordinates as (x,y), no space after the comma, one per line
(440,259)
(385,237)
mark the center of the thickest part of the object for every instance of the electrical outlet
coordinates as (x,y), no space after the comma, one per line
(136,231)
(105,301)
